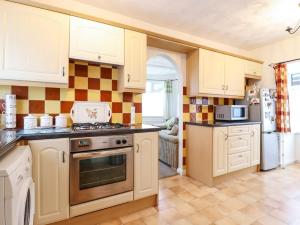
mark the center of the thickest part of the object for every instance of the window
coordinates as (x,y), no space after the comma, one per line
(295,79)
(153,99)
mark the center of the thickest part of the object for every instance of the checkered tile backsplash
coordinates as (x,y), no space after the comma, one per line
(197,109)
(87,82)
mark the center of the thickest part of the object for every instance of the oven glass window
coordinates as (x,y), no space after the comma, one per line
(100,171)
(238,112)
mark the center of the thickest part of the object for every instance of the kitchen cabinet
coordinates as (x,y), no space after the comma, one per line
(216,152)
(145,164)
(33,45)
(96,42)
(51,177)
(255,144)
(234,76)
(253,69)
(133,74)
(214,74)
(220,149)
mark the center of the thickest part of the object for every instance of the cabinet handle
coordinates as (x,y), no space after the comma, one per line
(128,78)
(99,57)
(223,87)
(137,148)
(252,133)
(226,137)
(63,71)
(63,157)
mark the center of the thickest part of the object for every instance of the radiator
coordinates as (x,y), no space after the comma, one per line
(168,153)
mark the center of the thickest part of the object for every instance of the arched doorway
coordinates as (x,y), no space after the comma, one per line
(162,105)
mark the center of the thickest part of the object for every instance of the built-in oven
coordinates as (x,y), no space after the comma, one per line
(100,167)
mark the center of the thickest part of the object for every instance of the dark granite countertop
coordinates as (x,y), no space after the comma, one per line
(9,138)
(222,124)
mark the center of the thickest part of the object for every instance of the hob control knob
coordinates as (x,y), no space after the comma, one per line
(124,141)
(118,142)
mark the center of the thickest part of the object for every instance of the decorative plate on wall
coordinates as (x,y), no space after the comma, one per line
(90,112)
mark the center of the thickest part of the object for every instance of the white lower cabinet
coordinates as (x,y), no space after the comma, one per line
(220,150)
(235,148)
(51,177)
(145,164)
(255,145)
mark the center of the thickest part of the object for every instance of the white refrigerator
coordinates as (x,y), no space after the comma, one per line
(265,112)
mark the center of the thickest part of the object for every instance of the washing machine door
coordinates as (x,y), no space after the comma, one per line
(27,203)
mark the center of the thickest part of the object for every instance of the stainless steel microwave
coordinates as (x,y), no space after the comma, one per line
(231,112)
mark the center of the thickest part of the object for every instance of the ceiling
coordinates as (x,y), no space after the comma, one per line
(245,24)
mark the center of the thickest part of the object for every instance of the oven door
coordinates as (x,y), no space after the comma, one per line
(98,174)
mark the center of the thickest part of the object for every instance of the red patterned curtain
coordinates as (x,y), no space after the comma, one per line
(282,104)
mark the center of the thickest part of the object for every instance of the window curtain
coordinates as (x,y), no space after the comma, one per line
(282,104)
(169,104)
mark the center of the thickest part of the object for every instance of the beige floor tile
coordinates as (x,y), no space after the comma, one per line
(268,220)
(198,219)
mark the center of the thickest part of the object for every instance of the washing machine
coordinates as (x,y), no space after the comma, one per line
(17,197)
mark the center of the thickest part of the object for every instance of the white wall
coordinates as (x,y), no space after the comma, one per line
(280,51)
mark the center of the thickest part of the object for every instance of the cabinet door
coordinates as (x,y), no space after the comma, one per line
(211,72)
(220,151)
(97,42)
(33,44)
(255,144)
(51,177)
(135,60)
(234,76)
(145,165)
(253,69)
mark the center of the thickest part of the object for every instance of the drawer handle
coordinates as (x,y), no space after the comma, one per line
(240,156)
(252,133)
(240,138)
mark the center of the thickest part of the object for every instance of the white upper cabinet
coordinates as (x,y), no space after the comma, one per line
(253,69)
(133,74)
(97,42)
(234,76)
(215,74)
(211,76)
(34,44)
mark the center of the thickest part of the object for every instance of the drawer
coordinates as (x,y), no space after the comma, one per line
(237,130)
(240,143)
(238,161)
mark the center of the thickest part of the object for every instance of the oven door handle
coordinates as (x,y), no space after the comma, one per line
(102,153)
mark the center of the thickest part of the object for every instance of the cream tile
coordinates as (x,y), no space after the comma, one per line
(126,107)
(36,93)
(117,118)
(93,95)
(106,84)
(52,107)
(71,69)
(81,83)
(67,94)
(4,89)
(22,106)
(116,97)
(94,71)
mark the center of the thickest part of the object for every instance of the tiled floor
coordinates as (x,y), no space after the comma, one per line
(269,198)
